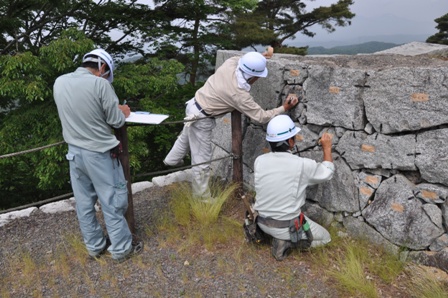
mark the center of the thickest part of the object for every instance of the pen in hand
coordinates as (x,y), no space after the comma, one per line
(125,109)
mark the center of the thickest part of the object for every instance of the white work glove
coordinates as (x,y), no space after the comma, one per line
(190,119)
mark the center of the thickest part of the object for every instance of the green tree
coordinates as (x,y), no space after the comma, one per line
(194,30)
(152,85)
(275,21)
(440,37)
(29,78)
(26,25)
(43,39)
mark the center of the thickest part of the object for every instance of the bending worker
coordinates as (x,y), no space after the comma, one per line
(281,179)
(225,91)
(88,108)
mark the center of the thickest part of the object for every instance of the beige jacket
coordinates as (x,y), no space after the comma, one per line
(220,94)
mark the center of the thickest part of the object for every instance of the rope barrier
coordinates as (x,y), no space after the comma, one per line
(62,142)
(31,150)
(182,168)
(58,198)
(54,199)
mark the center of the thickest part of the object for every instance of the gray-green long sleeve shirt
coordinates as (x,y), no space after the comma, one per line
(88,109)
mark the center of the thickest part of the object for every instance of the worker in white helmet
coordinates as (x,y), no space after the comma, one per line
(281,179)
(88,108)
(226,90)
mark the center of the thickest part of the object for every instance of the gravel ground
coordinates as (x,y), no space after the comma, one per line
(161,270)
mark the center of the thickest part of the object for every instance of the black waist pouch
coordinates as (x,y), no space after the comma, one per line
(116,151)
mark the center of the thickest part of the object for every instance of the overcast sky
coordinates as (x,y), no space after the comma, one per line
(381,18)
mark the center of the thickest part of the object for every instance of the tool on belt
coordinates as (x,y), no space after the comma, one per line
(296,226)
(252,231)
(116,151)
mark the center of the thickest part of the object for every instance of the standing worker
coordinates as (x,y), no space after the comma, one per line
(88,109)
(281,179)
(226,90)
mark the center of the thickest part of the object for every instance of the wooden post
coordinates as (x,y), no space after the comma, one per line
(122,135)
(237,149)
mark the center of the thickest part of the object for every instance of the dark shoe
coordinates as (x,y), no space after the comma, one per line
(280,249)
(137,248)
(98,255)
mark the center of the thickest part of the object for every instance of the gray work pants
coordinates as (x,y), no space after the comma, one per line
(195,138)
(96,176)
(320,234)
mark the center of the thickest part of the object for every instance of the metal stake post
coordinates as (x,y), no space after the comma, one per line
(237,148)
(122,135)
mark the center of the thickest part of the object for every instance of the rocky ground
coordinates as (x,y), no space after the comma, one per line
(43,256)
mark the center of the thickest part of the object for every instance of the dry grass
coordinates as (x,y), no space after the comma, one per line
(196,222)
(358,268)
(350,273)
(425,282)
(59,271)
(188,231)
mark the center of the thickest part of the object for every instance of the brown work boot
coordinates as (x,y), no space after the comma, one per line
(280,248)
(99,254)
(137,248)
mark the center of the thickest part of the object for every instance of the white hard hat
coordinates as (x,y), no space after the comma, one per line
(105,57)
(281,128)
(254,64)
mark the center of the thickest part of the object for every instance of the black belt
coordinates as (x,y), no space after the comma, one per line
(201,109)
(273,223)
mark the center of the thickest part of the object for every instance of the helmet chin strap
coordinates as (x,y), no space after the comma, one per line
(105,74)
(99,68)
(246,76)
(294,150)
(281,143)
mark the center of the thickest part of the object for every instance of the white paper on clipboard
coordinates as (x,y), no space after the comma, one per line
(146,118)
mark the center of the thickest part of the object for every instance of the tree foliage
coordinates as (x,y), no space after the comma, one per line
(36,175)
(194,30)
(147,84)
(27,25)
(440,37)
(275,21)
(42,39)
(26,77)
(150,85)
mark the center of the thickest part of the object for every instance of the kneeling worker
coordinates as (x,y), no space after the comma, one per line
(281,179)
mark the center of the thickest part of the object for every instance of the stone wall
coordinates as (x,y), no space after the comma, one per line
(389,117)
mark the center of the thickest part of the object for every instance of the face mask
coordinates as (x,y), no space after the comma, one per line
(242,81)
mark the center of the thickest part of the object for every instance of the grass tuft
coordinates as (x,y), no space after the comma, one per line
(350,275)
(424,284)
(196,222)
(357,266)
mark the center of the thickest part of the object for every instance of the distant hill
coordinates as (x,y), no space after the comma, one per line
(362,48)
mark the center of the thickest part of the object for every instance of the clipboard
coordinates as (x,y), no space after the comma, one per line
(146,118)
